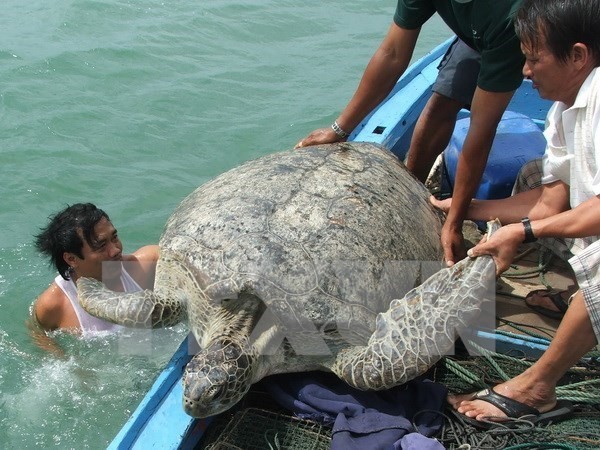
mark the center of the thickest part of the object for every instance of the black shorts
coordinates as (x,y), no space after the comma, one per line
(458,72)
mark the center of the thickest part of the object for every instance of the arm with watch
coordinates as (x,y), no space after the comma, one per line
(539,213)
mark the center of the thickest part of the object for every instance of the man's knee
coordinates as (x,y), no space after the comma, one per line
(441,108)
(529,176)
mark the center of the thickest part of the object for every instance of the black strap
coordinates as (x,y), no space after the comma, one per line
(529,236)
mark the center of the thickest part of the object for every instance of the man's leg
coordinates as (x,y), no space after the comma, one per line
(453,89)
(432,134)
(536,386)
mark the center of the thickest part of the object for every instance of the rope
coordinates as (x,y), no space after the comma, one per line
(520,327)
(577,391)
(276,445)
(570,392)
(593,355)
(544,261)
(460,434)
(517,336)
(487,355)
(538,445)
(543,253)
(462,373)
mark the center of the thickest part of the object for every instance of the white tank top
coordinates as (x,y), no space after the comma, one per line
(87,322)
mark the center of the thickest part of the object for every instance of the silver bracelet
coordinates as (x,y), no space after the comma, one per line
(338,130)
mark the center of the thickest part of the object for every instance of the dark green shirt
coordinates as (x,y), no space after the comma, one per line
(484,25)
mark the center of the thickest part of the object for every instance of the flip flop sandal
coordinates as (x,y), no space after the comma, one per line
(556,298)
(518,413)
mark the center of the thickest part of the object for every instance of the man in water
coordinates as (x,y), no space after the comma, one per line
(81,241)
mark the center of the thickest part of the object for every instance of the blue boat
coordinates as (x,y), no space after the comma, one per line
(160,422)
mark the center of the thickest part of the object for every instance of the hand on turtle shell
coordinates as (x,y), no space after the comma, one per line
(320,136)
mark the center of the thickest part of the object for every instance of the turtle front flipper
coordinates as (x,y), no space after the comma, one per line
(142,309)
(417,330)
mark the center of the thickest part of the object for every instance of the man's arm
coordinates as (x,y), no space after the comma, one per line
(486,111)
(144,262)
(381,74)
(581,221)
(49,309)
(544,201)
(41,339)
(48,314)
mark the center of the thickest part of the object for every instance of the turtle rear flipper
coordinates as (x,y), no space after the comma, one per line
(142,309)
(417,330)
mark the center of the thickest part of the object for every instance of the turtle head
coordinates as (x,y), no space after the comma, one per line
(217,378)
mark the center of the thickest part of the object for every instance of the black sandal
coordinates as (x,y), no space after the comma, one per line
(556,298)
(517,413)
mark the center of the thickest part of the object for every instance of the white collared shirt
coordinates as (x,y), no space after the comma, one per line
(573,149)
(573,142)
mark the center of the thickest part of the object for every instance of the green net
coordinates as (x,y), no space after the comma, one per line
(581,384)
(260,429)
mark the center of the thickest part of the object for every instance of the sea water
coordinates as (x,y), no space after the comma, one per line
(131,105)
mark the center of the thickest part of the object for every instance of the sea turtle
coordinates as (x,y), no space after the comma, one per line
(289,263)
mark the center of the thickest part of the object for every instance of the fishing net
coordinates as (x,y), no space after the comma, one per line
(254,428)
(534,267)
(581,385)
(259,423)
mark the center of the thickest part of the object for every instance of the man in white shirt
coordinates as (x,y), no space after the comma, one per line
(561,44)
(81,241)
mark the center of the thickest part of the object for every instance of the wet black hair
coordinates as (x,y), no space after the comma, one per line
(61,234)
(562,23)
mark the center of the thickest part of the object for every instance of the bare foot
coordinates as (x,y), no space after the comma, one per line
(520,388)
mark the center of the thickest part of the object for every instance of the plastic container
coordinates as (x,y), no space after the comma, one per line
(518,140)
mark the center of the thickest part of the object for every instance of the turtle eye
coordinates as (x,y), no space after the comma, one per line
(216,392)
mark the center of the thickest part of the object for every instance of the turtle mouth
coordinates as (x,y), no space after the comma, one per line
(200,410)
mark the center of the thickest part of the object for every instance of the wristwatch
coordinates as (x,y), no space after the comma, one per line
(529,236)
